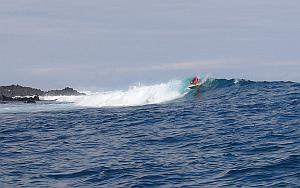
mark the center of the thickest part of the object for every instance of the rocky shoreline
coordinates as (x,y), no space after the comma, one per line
(17,93)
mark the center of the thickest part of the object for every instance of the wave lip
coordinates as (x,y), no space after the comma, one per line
(134,96)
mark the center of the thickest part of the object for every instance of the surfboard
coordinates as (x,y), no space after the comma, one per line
(194,86)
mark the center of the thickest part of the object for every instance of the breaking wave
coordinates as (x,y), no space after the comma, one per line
(134,96)
(143,94)
(139,95)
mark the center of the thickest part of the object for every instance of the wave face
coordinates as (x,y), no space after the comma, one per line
(134,96)
(143,95)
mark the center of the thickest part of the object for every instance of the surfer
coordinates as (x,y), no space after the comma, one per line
(195,82)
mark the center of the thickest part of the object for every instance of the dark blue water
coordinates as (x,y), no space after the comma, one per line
(227,134)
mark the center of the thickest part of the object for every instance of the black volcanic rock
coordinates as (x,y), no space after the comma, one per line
(66,91)
(32,100)
(20,99)
(20,93)
(17,90)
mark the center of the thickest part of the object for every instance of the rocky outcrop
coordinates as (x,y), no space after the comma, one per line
(66,91)
(20,93)
(17,90)
(20,99)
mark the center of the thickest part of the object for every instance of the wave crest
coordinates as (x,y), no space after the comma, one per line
(134,96)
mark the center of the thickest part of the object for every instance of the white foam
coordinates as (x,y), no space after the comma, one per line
(36,107)
(134,96)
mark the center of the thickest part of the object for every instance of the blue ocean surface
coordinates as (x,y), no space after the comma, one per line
(235,133)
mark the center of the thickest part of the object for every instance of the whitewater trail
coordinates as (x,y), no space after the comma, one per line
(134,96)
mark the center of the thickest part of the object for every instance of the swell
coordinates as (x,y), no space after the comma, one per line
(164,92)
(143,95)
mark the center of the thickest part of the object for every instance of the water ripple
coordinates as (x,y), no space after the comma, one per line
(240,135)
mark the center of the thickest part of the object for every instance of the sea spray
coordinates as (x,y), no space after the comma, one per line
(134,96)
(138,95)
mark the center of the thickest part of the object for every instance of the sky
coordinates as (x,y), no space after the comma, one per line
(116,43)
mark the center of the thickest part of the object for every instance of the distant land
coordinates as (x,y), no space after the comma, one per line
(30,95)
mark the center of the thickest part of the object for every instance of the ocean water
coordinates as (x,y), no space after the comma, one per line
(235,133)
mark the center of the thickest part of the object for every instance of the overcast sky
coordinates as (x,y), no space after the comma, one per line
(114,43)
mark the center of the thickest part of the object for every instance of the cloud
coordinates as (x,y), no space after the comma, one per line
(171,66)
(102,71)
(52,70)
(291,63)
